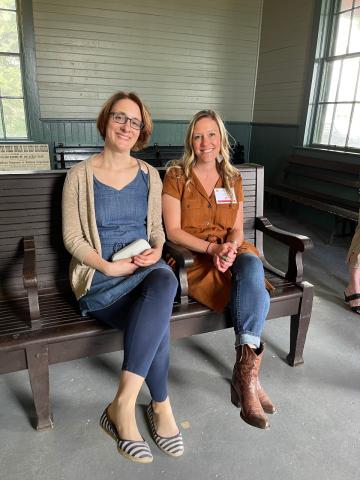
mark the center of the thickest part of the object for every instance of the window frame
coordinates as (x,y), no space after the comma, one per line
(5,138)
(324,57)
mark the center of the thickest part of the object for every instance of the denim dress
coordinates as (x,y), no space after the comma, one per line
(121,219)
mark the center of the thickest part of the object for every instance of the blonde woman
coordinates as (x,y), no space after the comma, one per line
(203,211)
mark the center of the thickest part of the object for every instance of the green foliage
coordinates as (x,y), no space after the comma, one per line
(9,41)
(8,4)
(10,76)
(14,118)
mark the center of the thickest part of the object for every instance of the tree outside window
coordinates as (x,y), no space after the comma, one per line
(12,113)
(334,111)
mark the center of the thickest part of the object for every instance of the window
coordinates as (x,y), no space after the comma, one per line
(334,111)
(12,113)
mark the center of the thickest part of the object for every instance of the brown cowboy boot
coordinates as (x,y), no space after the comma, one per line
(244,386)
(264,398)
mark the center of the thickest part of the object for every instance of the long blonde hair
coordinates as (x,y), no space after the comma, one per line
(227,172)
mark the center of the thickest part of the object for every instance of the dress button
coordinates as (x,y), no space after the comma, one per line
(209,206)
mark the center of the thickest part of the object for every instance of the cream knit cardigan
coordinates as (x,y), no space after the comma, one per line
(80,233)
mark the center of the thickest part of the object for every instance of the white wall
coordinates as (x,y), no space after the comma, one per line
(180,56)
(283,60)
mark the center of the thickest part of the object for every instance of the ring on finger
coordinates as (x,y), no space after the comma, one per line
(225,258)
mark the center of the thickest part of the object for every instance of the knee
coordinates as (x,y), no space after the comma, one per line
(248,264)
(164,282)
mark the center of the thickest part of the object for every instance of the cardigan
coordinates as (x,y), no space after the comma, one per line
(80,233)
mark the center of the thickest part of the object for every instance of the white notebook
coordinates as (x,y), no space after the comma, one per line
(134,248)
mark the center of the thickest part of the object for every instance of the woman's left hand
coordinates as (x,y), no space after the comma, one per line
(148,257)
(225,258)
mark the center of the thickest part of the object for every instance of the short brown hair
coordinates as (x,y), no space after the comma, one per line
(104,115)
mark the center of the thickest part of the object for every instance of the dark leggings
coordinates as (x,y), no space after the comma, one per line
(144,316)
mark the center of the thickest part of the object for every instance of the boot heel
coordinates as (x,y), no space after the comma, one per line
(235,397)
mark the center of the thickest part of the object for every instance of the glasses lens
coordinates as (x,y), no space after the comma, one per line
(119,117)
(135,123)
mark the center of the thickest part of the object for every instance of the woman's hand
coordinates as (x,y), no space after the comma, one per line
(120,268)
(224,255)
(148,257)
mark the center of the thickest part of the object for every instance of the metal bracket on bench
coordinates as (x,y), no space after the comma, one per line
(30,282)
(184,259)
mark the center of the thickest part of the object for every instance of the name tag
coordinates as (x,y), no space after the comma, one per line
(222,196)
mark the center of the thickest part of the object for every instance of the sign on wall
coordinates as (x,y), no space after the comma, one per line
(24,157)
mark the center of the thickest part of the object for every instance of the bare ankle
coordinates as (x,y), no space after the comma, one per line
(161,406)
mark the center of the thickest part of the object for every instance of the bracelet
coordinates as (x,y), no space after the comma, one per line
(207,248)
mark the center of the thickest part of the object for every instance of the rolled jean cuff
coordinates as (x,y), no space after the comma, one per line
(248,338)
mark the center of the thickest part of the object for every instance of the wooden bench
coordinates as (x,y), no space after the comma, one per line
(40,323)
(329,186)
(65,156)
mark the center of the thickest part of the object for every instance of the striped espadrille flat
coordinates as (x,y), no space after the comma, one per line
(173,446)
(136,451)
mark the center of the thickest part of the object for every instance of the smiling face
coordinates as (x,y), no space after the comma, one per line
(206,140)
(122,137)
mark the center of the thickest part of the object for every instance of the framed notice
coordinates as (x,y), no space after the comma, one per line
(24,156)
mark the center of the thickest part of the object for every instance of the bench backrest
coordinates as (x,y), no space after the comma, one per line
(65,156)
(332,179)
(30,204)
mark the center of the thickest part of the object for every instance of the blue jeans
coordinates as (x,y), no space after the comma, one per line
(146,327)
(249,301)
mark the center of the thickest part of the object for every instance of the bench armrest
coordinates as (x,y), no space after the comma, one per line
(297,245)
(30,281)
(184,259)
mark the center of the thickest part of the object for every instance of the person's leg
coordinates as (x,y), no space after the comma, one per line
(250,300)
(122,409)
(249,306)
(353,286)
(353,260)
(160,287)
(146,346)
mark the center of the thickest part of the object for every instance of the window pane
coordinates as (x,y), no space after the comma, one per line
(345,5)
(348,80)
(14,118)
(8,4)
(8,32)
(341,125)
(354,45)
(1,129)
(10,77)
(323,124)
(357,3)
(331,80)
(354,136)
(342,29)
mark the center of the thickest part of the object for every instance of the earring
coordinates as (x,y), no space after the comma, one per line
(219,158)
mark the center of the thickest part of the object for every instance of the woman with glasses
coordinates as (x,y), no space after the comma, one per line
(109,201)
(203,211)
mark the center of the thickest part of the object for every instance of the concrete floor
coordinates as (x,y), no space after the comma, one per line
(315,434)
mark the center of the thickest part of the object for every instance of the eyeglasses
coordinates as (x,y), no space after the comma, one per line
(122,118)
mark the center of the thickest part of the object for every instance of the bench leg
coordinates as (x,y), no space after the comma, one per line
(299,325)
(38,366)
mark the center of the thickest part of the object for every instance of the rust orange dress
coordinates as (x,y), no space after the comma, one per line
(202,217)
